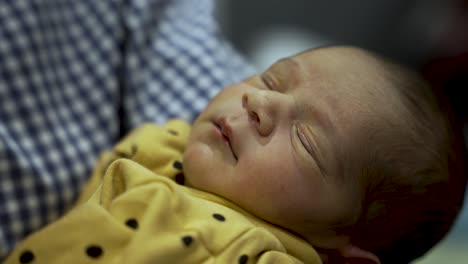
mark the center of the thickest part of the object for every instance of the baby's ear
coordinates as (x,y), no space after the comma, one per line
(355,255)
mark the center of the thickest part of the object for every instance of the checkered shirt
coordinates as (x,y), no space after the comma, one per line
(76,75)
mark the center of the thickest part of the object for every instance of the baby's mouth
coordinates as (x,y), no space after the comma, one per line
(226,133)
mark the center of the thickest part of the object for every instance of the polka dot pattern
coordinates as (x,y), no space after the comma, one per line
(94,251)
(243,259)
(177,165)
(132,223)
(219,217)
(26,257)
(187,240)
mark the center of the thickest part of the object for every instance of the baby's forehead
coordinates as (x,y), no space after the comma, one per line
(336,61)
(348,81)
(337,51)
(348,71)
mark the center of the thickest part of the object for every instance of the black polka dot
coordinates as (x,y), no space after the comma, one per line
(180,178)
(26,257)
(132,223)
(243,259)
(219,217)
(173,132)
(177,164)
(94,251)
(187,240)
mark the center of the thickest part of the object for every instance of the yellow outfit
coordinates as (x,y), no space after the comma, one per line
(133,211)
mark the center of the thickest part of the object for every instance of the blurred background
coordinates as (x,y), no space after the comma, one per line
(417,33)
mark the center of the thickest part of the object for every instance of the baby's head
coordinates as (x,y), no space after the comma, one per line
(349,151)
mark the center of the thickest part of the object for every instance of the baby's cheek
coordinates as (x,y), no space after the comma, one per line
(197,160)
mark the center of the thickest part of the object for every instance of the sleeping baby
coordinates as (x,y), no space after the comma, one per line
(333,155)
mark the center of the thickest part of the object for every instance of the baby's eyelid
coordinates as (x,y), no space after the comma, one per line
(303,138)
(267,81)
(310,147)
(306,142)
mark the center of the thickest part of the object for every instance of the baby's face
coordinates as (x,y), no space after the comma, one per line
(274,143)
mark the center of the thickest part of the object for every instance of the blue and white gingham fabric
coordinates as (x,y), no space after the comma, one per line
(75,75)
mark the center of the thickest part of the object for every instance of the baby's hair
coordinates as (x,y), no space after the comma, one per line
(414,177)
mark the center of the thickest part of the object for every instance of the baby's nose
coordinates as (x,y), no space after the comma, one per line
(259,112)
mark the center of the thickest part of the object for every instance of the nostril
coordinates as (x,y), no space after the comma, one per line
(254,116)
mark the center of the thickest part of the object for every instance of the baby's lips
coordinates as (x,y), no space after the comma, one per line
(226,129)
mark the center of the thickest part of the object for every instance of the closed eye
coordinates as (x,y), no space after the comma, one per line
(304,139)
(267,82)
(308,145)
